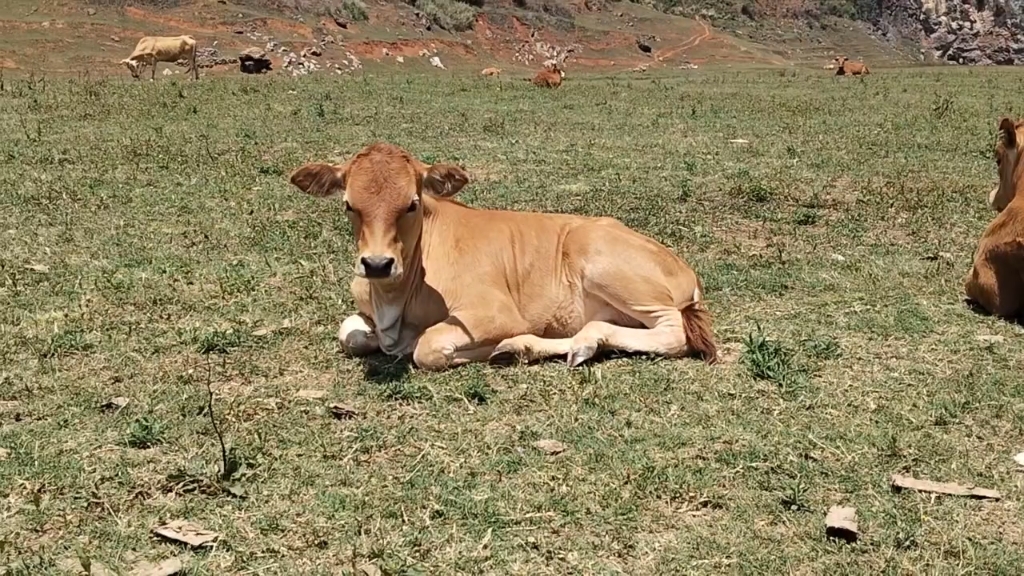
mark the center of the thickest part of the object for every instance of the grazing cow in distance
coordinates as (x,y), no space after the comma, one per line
(550,77)
(153,49)
(450,284)
(490,71)
(844,67)
(996,279)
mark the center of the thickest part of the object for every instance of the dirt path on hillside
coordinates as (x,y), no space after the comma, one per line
(692,42)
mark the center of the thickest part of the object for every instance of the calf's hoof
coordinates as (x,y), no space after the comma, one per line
(580,354)
(503,357)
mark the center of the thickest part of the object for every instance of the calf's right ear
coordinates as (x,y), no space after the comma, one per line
(1008,132)
(319,179)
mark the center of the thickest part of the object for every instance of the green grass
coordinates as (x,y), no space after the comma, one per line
(172,244)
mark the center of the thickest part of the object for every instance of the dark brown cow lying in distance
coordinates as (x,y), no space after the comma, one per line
(450,284)
(996,280)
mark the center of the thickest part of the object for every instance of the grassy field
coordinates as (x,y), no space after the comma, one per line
(151,245)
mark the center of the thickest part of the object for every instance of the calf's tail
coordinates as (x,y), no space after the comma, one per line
(699,335)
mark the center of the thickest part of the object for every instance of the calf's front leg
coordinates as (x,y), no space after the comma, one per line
(357,336)
(464,338)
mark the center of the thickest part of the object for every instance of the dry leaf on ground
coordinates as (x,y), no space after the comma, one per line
(841,523)
(164,568)
(186,533)
(369,569)
(550,447)
(343,411)
(311,394)
(270,329)
(85,566)
(41,268)
(951,488)
(114,404)
(729,353)
(4,454)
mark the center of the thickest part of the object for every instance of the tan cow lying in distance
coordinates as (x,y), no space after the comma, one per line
(550,77)
(491,71)
(450,284)
(844,67)
(153,49)
(996,280)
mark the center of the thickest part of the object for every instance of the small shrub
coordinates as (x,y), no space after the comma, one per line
(805,217)
(476,391)
(145,432)
(757,192)
(448,14)
(685,190)
(771,360)
(65,342)
(826,348)
(219,342)
(766,359)
(353,9)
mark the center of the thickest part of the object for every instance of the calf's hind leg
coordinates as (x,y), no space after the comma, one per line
(529,348)
(666,338)
(639,279)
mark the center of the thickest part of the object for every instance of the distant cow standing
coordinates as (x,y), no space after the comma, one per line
(844,67)
(550,77)
(153,49)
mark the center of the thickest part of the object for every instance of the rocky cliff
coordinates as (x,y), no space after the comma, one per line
(959,31)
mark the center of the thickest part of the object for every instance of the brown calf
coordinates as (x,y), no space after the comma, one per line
(450,284)
(844,67)
(550,77)
(996,280)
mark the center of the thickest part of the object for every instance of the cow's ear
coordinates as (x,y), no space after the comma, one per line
(319,179)
(445,180)
(1008,132)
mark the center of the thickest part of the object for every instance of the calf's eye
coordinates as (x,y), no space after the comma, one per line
(412,207)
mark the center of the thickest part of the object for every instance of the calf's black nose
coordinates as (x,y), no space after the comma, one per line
(377,266)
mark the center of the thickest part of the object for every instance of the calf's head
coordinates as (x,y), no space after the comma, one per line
(381,189)
(1011,136)
(132,65)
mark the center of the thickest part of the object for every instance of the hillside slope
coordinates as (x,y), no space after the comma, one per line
(76,36)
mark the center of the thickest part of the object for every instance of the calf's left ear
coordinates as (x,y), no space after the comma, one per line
(319,179)
(445,180)
(1008,132)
